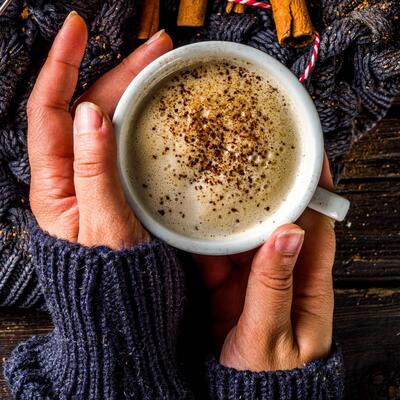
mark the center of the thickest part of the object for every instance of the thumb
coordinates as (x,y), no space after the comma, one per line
(104,215)
(267,309)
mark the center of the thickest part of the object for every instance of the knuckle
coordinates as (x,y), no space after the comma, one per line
(89,167)
(129,66)
(278,280)
(91,154)
(319,310)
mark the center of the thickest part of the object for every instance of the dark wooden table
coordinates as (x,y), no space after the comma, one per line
(367,272)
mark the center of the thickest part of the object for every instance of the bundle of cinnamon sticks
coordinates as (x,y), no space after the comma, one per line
(293,23)
(235,7)
(292,20)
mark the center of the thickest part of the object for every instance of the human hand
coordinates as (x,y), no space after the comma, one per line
(272,308)
(75,191)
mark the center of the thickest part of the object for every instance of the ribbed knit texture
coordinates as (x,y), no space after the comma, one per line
(356,76)
(116,316)
(316,380)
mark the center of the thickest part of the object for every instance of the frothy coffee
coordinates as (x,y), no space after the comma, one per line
(214,150)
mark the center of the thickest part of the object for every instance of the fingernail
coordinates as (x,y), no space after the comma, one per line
(155,36)
(88,118)
(289,242)
(70,15)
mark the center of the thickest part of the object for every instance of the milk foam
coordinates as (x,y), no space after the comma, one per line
(214,150)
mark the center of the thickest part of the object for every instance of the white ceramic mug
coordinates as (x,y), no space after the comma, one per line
(304,191)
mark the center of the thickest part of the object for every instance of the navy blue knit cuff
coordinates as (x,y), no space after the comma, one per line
(318,379)
(116,317)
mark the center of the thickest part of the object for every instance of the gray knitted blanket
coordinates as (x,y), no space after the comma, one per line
(356,77)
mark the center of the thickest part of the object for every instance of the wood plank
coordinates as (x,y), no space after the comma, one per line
(368,242)
(367,325)
(368,249)
(376,155)
(17,326)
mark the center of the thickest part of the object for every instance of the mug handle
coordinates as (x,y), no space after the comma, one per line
(329,204)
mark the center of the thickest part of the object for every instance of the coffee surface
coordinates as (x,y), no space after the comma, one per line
(214,150)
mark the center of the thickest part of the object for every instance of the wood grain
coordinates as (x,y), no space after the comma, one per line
(17,326)
(367,326)
(369,240)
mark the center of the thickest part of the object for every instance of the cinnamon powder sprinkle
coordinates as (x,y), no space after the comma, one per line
(219,149)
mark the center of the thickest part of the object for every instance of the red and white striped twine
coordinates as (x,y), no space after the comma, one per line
(311,63)
(304,76)
(253,3)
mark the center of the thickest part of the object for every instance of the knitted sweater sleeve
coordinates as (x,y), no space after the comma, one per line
(116,316)
(317,380)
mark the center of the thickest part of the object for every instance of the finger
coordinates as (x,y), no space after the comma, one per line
(266,313)
(314,298)
(318,226)
(107,91)
(313,287)
(104,215)
(50,126)
(326,176)
(311,219)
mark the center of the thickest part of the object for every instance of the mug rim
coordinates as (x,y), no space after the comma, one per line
(179,59)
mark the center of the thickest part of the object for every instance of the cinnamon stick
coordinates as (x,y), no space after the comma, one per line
(293,23)
(236,7)
(239,8)
(156,19)
(192,12)
(229,7)
(146,18)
